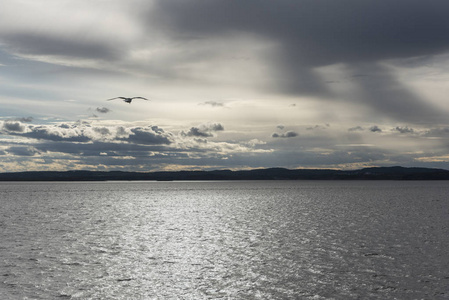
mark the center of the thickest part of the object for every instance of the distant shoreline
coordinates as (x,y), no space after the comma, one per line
(376,173)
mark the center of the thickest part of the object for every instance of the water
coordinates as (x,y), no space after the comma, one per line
(225,240)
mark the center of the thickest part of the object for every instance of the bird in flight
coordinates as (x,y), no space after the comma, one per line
(128,100)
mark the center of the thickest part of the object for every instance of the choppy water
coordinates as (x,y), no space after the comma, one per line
(228,240)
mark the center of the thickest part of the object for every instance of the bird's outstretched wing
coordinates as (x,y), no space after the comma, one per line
(139,98)
(116,98)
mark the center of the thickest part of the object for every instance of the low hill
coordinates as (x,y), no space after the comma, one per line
(380,173)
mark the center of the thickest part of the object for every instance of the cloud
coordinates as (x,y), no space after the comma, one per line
(302,37)
(65,46)
(111,145)
(437,132)
(150,135)
(56,133)
(22,150)
(336,31)
(102,130)
(25,119)
(60,29)
(103,110)
(213,103)
(404,130)
(360,35)
(356,128)
(318,127)
(348,61)
(97,145)
(255,142)
(82,132)
(215,127)
(288,134)
(14,126)
(204,130)
(195,131)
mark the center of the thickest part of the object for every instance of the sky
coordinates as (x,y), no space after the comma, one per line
(338,84)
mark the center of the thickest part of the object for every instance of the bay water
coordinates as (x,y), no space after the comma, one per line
(224,240)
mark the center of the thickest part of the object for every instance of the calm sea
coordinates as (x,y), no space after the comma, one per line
(225,240)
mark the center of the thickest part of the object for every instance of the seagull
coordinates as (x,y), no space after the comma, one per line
(128,100)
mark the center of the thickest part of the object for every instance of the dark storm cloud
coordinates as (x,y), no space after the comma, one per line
(103,110)
(315,33)
(288,134)
(324,32)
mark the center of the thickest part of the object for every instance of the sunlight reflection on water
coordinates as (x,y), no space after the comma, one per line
(237,240)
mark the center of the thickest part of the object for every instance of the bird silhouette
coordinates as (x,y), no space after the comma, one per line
(127,99)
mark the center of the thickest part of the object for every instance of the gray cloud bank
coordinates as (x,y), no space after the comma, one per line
(85,132)
(116,146)
(316,33)
(321,32)
(93,145)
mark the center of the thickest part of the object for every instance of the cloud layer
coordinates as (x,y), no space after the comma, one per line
(310,34)
(265,72)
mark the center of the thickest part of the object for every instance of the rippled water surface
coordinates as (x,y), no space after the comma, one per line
(228,240)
